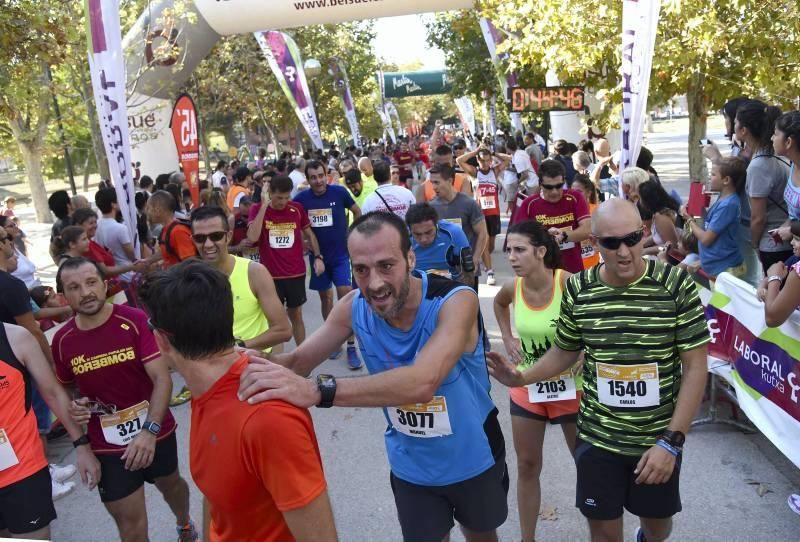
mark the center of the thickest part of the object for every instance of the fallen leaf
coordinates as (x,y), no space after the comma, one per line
(763,489)
(549,513)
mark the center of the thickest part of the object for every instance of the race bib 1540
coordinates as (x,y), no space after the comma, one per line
(628,386)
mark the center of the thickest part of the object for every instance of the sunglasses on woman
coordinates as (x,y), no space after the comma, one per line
(216,237)
(613,243)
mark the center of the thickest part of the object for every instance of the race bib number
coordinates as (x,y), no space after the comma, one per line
(456,221)
(628,386)
(587,249)
(120,428)
(254,256)
(281,238)
(8,458)
(560,388)
(321,218)
(566,245)
(487,203)
(423,420)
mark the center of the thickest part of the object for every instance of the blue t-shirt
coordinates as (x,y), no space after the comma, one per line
(424,448)
(444,253)
(723,253)
(328,219)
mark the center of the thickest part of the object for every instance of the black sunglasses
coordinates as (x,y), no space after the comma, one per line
(552,186)
(613,243)
(216,237)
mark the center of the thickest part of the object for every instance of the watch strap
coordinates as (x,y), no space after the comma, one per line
(80,441)
(774,278)
(327,390)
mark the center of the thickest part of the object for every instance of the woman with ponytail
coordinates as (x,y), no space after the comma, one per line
(535,294)
(765,185)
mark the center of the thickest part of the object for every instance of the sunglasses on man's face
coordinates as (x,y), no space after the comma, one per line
(552,186)
(613,243)
(216,237)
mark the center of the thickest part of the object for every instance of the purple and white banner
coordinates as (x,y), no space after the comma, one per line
(493,39)
(639,25)
(342,85)
(284,59)
(393,114)
(107,68)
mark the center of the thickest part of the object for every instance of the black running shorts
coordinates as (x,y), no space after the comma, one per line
(606,485)
(27,505)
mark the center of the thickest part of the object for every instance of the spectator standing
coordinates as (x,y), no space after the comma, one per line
(766,182)
(9,204)
(217,177)
(298,177)
(111,235)
(786,142)
(665,211)
(584,184)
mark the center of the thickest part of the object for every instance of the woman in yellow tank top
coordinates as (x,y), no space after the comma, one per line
(536,296)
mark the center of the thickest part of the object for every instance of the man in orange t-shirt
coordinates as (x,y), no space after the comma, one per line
(443,156)
(175,241)
(272,487)
(242,179)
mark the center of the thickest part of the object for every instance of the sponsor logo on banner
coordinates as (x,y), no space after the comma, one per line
(107,69)
(184,132)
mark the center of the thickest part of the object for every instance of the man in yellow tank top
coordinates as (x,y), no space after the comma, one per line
(259,321)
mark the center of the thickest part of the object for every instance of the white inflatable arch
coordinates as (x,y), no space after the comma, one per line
(155,82)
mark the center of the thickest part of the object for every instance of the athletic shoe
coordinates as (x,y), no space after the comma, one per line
(335,354)
(352,357)
(640,535)
(490,278)
(62,474)
(794,503)
(61,490)
(181,397)
(188,533)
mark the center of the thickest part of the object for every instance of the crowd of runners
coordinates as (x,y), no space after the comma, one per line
(607,338)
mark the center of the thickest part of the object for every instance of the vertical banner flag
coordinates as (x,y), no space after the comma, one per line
(493,39)
(466,113)
(342,85)
(391,111)
(284,59)
(107,68)
(387,123)
(184,132)
(639,24)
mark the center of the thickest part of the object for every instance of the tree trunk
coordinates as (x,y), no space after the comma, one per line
(698,114)
(94,128)
(32,156)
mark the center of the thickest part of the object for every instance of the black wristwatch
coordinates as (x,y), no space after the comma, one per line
(80,441)
(240,343)
(319,257)
(327,390)
(152,427)
(673,438)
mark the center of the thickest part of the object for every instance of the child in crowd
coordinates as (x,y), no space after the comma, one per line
(46,297)
(687,245)
(9,203)
(719,249)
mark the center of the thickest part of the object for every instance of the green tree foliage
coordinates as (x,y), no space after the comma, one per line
(710,52)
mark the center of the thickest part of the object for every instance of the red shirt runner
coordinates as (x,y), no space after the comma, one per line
(487,198)
(107,363)
(564,215)
(404,162)
(281,241)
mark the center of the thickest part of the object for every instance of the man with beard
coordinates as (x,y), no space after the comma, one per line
(109,352)
(423,341)
(259,320)
(359,187)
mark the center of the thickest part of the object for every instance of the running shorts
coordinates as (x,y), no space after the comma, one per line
(117,483)
(606,485)
(336,273)
(27,505)
(493,225)
(292,292)
(555,412)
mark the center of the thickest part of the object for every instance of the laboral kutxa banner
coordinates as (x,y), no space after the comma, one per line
(107,68)
(184,132)
(765,361)
(286,63)
(337,69)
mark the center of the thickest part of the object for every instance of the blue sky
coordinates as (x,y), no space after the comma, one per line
(402,40)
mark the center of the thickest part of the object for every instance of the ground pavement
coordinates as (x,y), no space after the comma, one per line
(734,485)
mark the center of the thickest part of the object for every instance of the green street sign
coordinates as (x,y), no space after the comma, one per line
(424,83)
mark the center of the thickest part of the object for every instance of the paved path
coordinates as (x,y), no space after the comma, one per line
(720,481)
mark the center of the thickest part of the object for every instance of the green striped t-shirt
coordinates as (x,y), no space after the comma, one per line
(649,321)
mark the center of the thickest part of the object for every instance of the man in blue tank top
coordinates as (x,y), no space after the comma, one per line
(422,339)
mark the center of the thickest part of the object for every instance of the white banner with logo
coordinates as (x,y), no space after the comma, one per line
(466,112)
(762,364)
(493,38)
(107,68)
(391,110)
(639,26)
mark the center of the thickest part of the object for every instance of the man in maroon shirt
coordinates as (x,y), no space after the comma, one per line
(124,386)
(563,211)
(278,226)
(405,160)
